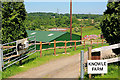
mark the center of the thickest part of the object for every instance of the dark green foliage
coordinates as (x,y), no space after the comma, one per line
(13,16)
(43,21)
(110,24)
(86,16)
(77,29)
(97,25)
(0,22)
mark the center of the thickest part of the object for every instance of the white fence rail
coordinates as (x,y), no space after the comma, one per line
(117,59)
(107,53)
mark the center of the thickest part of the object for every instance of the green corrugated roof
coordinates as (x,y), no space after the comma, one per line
(45,36)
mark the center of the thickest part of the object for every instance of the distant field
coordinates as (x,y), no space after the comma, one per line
(89,31)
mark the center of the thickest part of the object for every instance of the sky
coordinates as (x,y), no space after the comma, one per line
(65,0)
(79,7)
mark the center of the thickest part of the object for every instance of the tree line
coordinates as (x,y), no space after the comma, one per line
(43,21)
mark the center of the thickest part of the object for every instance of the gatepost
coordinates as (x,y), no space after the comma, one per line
(1,60)
(82,65)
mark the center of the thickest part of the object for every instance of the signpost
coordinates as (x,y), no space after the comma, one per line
(97,66)
(89,56)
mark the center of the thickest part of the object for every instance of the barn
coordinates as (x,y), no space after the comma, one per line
(50,36)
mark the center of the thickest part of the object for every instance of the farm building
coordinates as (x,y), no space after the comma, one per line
(50,36)
(59,29)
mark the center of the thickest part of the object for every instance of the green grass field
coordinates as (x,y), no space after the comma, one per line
(89,31)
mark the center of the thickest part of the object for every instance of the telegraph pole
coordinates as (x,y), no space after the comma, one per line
(81,31)
(71,20)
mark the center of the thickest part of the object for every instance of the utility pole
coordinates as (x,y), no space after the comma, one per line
(81,30)
(71,20)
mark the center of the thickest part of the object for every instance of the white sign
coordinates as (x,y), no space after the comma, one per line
(97,66)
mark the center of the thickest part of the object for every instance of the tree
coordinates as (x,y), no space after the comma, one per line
(77,29)
(110,24)
(97,25)
(13,16)
(0,23)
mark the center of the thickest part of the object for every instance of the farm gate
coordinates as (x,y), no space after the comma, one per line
(16,51)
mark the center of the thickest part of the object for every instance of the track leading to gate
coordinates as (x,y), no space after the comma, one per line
(67,67)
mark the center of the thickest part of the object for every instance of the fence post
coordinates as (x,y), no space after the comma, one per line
(91,43)
(82,65)
(75,45)
(100,58)
(35,43)
(54,47)
(65,47)
(84,43)
(20,62)
(40,49)
(1,61)
(89,56)
(81,42)
(102,42)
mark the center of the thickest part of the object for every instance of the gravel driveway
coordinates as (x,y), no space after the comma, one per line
(67,67)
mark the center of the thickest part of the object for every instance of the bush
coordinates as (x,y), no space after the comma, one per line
(13,16)
(110,24)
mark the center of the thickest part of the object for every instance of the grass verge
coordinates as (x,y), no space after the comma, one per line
(0,75)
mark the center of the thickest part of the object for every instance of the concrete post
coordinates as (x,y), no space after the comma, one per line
(82,65)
